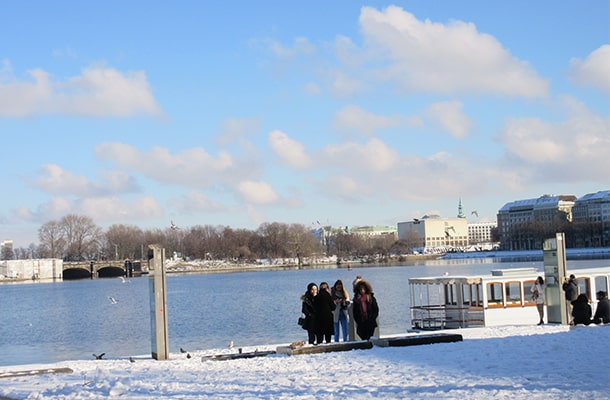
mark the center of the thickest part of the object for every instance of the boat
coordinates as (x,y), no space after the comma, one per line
(502,297)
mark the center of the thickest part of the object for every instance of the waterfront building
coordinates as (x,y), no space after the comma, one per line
(374,231)
(433,234)
(480,233)
(522,224)
(6,250)
(591,220)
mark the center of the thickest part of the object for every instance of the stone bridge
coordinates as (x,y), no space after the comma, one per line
(103,269)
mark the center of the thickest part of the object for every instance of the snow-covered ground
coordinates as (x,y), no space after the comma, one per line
(515,362)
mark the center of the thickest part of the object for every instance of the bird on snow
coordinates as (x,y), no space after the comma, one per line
(182,350)
(131,360)
(99,356)
(113,300)
(188,355)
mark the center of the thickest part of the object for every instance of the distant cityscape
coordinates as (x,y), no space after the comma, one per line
(520,225)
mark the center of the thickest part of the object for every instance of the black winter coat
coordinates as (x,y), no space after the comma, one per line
(324,306)
(308,309)
(581,311)
(366,326)
(571,290)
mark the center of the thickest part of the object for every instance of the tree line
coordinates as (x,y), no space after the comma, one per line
(79,238)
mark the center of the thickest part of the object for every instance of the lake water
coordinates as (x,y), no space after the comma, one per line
(57,321)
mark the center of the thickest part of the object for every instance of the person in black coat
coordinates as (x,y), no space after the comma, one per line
(581,310)
(308,309)
(602,312)
(324,306)
(366,310)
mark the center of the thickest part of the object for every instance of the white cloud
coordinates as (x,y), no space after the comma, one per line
(593,71)
(57,180)
(114,208)
(193,167)
(312,88)
(573,150)
(257,192)
(449,115)
(444,58)
(236,129)
(106,208)
(195,201)
(301,46)
(289,150)
(374,155)
(344,85)
(354,118)
(97,92)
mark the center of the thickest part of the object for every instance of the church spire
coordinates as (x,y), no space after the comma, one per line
(460,210)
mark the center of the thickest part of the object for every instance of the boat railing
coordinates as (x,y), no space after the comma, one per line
(433,317)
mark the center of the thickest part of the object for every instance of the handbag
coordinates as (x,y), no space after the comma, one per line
(303,322)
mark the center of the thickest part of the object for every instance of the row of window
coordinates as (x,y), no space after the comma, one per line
(509,294)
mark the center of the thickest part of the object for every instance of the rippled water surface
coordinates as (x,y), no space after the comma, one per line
(51,322)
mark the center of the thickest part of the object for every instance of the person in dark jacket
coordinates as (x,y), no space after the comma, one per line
(308,309)
(581,310)
(602,312)
(366,310)
(570,287)
(324,307)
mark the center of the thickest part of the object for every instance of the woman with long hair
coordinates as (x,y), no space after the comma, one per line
(366,310)
(308,309)
(340,315)
(538,297)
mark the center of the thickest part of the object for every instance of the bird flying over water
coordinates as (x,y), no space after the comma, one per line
(230,346)
(113,300)
(99,356)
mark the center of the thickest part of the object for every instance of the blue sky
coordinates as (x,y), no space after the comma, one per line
(347,112)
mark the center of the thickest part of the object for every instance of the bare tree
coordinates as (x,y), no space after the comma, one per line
(52,240)
(82,236)
(301,242)
(123,241)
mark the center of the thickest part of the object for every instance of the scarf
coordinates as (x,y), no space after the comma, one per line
(363,306)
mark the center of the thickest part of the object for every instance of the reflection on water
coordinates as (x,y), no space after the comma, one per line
(50,322)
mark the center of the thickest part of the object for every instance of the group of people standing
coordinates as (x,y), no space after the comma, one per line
(581,309)
(326,311)
(578,303)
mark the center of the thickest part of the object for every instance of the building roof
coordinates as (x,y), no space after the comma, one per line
(541,202)
(601,195)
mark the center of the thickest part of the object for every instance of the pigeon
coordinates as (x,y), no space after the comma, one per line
(182,350)
(188,355)
(131,360)
(99,357)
